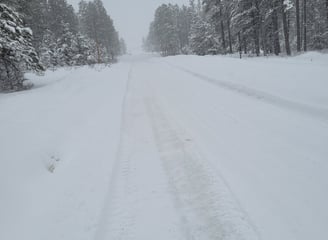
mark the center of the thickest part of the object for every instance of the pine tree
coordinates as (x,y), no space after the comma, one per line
(305,25)
(17,54)
(327,14)
(316,25)
(66,46)
(97,25)
(60,37)
(184,21)
(203,39)
(164,30)
(123,47)
(285,5)
(83,51)
(214,13)
(48,50)
(254,26)
(60,11)
(298,25)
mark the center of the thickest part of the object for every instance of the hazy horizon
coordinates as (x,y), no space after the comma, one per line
(132,18)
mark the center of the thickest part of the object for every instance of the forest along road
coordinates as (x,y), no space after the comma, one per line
(203,162)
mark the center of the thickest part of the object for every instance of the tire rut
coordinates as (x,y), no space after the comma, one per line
(301,108)
(207,208)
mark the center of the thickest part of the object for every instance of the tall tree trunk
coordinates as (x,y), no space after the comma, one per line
(229,35)
(257,42)
(285,27)
(305,25)
(327,12)
(222,28)
(257,27)
(245,44)
(222,33)
(298,25)
(96,40)
(275,29)
(264,44)
(240,47)
(98,51)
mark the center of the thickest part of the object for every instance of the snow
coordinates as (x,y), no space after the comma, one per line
(9,28)
(288,4)
(181,147)
(280,77)
(29,31)
(59,119)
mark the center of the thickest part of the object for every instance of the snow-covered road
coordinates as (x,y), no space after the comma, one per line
(175,148)
(161,186)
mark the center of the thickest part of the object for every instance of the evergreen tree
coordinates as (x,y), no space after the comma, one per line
(60,11)
(164,34)
(203,39)
(48,50)
(285,5)
(253,26)
(60,37)
(123,47)
(83,51)
(17,54)
(66,47)
(298,25)
(96,24)
(214,13)
(185,17)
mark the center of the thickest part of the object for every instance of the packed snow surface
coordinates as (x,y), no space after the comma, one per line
(174,148)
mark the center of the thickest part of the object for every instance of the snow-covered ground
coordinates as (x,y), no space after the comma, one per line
(168,148)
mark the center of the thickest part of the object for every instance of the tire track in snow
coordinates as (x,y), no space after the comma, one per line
(208,210)
(119,176)
(311,111)
(138,204)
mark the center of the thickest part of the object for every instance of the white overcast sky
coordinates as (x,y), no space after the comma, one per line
(132,17)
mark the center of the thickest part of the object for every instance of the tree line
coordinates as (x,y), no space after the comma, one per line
(41,34)
(259,27)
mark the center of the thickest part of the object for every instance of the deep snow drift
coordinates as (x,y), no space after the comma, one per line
(168,148)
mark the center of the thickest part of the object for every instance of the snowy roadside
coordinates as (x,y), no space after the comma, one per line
(57,146)
(299,79)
